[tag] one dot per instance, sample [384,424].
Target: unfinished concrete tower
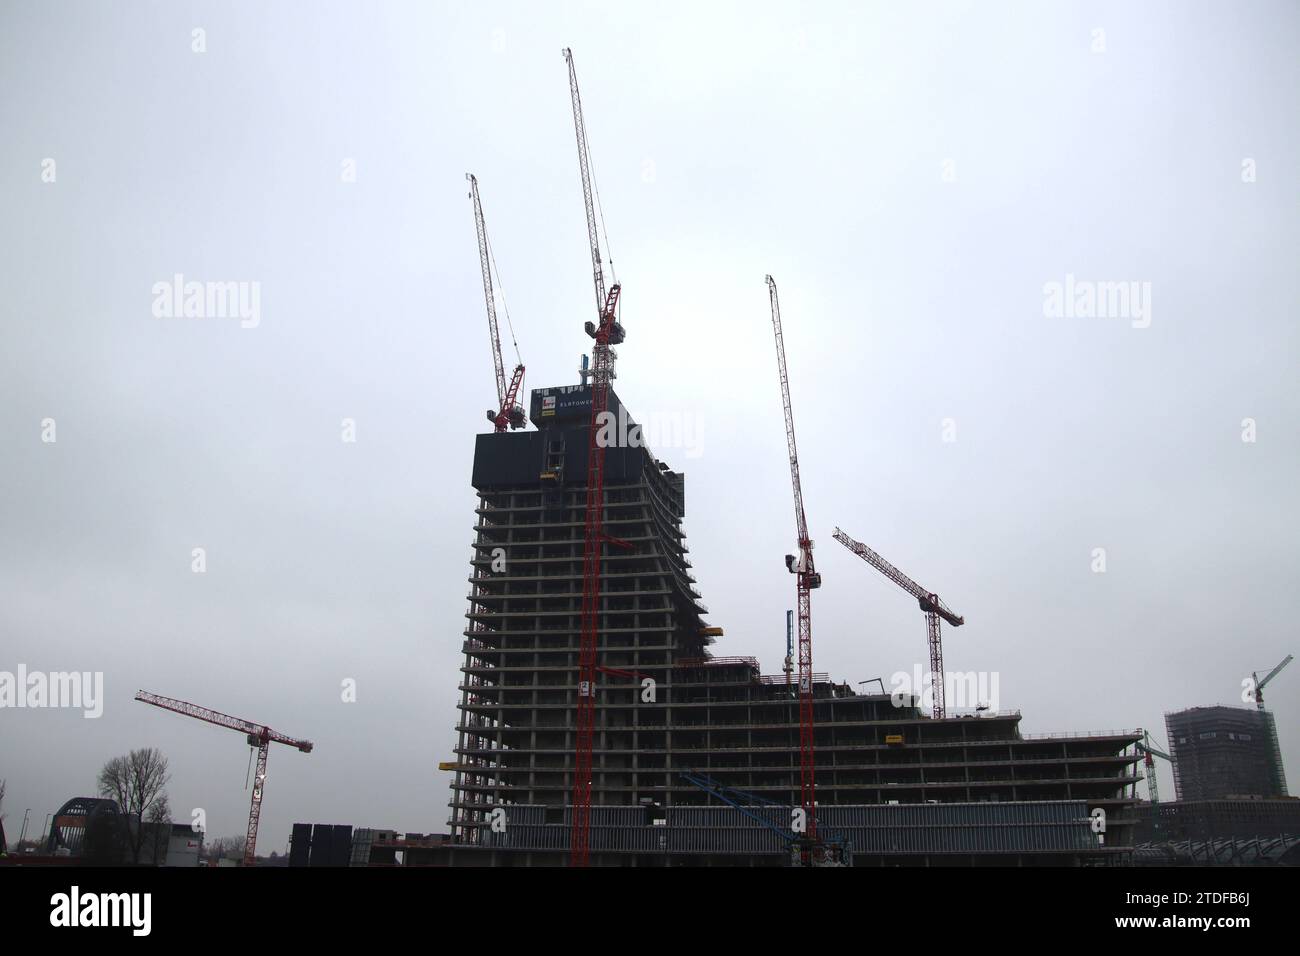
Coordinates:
[893,784]
[521,654]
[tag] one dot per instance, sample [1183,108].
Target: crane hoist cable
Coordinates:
[505,306]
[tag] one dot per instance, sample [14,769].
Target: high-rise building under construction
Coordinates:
[695,756]
[1224,752]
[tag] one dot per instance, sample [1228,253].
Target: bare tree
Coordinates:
[160,828]
[137,782]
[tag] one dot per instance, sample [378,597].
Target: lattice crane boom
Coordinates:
[584,169]
[508,412]
[806,578]
[1259,684]
[258,735]
[489,296]
[800,519]
[927,600]
[935,611]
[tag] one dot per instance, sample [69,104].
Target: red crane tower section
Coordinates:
[606,332]
[259,736]
[508,411]
[807,578]
[935,610]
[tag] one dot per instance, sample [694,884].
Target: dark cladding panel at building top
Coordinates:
[565,405]
[518,458]
[508,458]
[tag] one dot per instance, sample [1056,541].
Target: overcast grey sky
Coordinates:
[912,175]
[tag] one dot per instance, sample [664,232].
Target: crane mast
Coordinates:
[606,332]
[935,612]
[258,736]
[508,412]
[806,578]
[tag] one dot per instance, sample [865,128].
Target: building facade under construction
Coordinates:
[900,787]
[1220,753]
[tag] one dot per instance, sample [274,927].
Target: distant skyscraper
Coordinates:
[1225,751]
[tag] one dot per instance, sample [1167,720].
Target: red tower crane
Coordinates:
[806,577]
[258,735]
[934,609]
[508,412]
[607,332]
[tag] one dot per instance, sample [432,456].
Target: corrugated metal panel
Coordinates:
[362,841]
